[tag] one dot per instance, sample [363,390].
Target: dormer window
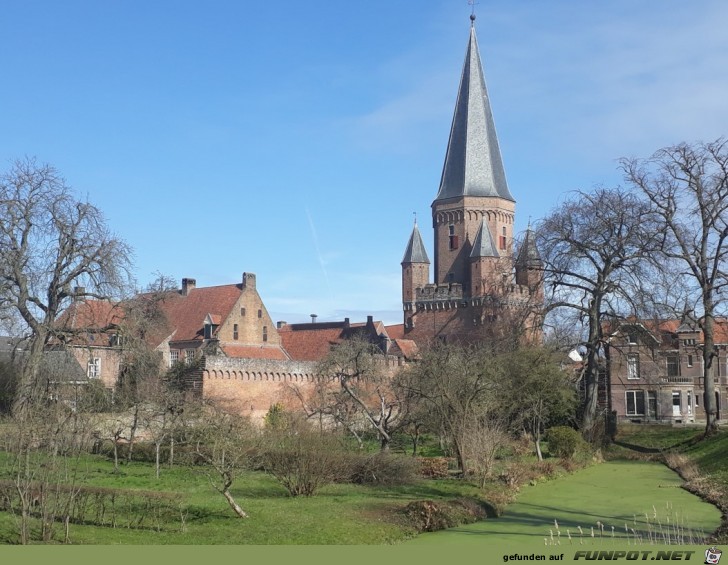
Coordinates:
[208,331]
[632,338]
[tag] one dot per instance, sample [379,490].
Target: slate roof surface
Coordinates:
[473,164]
[484,246]
[415,251]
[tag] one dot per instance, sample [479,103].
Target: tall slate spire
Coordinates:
[473,164]
[415,252]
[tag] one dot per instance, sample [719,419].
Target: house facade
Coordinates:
[656,372]
[480,284]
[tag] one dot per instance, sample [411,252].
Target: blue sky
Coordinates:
[296,139]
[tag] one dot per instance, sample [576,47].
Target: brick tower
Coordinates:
[472,216]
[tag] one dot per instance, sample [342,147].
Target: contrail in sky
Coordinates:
[318,251]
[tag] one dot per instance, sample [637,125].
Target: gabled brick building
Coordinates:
[241,357]
[656,371]
[478,282]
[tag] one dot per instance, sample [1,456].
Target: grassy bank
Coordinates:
[703,463]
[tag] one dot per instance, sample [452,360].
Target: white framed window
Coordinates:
[633,366]
[173,356]
[635,402]
[189,356]
[93,370]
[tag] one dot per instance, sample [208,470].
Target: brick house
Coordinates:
[656,371]
[479,283]
[241,356]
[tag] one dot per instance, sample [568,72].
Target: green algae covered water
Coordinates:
[620,504]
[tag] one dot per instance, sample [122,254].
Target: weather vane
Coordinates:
[415,215]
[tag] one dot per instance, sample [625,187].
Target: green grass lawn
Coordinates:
[339,514]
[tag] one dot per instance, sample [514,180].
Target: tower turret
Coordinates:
[415,272]
[484,263]
[529,267]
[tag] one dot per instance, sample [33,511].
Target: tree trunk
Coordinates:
[29,386]
[157,445]
[591,374]
[460,456]
[711,424]
[116,455]
[384,443]
[132,432]
[415,441]
[234,505]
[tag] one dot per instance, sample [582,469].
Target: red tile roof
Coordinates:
[186,314]
[254,352]
[311,344]
[408,348]
[671,326]
[91,315]
[395,332]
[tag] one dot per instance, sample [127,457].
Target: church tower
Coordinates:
[473,187]
[472,216]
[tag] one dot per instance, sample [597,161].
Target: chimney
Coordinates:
[188,285]
[249,280]
[347,323]
[280,324]
[370,320]
[79,292]
[313,318]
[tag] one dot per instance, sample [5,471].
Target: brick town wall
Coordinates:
[251,386]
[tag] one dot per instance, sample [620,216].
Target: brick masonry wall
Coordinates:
[251,386]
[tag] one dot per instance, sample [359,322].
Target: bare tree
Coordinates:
[484,437]
[160,413]
[224,442]
[53,247]
[459,386]
[360,369]
[595,250]
[687,187]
